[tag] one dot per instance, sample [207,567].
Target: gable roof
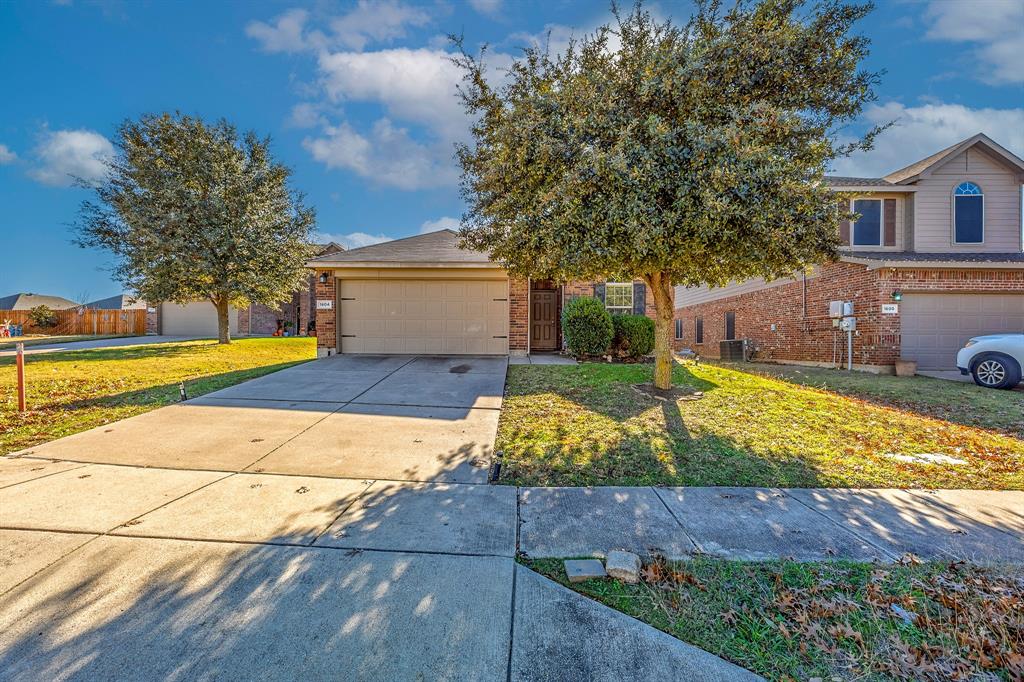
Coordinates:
[432,249]
[22,301]
[925,166]
[118,302]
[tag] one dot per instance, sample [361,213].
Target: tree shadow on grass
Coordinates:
[956,402]
[635,448]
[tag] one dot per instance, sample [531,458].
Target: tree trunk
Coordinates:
[223,320]
[660,286]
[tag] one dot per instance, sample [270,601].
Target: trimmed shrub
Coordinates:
[42,317]
[634,335]
[587,326]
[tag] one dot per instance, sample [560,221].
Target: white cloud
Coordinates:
[442,223]
[491,7]
[6,155]
[306,115]
[995,26]
[412,85]
[64,155]
[376,21]
[387,155]
[370,21]
[353,240]
[921,131]
[284,35]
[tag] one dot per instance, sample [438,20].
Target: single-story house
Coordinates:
[936,257]
[30,301]
[424,294]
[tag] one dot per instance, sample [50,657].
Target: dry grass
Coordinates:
[846,621]
[73,391]
[588,425]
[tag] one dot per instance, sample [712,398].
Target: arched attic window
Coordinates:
[968,214]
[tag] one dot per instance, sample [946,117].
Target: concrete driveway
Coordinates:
[323,521]
[408,418]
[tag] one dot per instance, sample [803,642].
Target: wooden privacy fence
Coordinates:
[78,322]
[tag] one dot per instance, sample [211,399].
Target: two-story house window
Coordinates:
[867,231]
[968,214]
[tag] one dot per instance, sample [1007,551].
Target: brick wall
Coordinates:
[518,316]
[805,333]
[326,320]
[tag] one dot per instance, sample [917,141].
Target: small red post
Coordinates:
[21,376]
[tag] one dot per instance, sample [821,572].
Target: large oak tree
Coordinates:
[194,212]
[689,154]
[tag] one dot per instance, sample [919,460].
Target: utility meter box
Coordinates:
[835,309]
[848,324]
[848,309]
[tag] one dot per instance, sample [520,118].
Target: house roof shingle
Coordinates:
[22,301]
[916,257]
[844,181]
[118,302]
[432,247]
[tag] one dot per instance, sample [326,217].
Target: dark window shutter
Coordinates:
[844,225]
[890,222]
[698,331]
[639,298]
[599,291]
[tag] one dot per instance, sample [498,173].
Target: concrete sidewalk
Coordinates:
[95,344]
[770,523]
[124,571]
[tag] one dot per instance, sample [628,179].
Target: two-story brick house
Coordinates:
[936,257]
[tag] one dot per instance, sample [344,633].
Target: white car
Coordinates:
[995,361]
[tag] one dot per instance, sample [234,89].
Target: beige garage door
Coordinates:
[194,319]
[933,327]
[424,316]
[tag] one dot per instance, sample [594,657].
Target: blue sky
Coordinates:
[358,98]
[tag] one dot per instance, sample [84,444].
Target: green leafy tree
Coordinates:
[194,212]
[686,155]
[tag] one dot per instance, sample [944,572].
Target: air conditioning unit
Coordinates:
[732,349]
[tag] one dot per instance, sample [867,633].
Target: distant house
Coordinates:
[199,318]
[935,258]
[118,302]
[300,311]
[30,301]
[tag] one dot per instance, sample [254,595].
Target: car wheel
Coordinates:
[995,371]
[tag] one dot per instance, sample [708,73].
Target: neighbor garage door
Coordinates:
[933,327]
[423,316]
[193,319]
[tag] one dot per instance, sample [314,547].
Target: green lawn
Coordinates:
[586,425]
[78,390]
[834,620]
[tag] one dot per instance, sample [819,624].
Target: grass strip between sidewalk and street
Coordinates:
[933,622]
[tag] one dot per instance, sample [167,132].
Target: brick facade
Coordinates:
[518,316]
[326,320]
[799,311]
